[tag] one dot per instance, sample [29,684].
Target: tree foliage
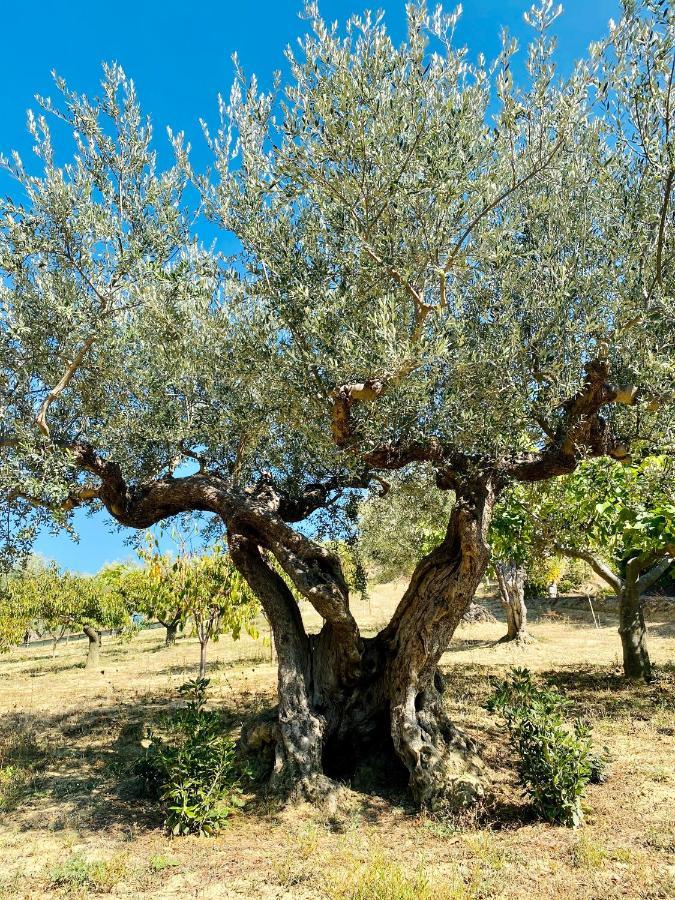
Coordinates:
[57,602]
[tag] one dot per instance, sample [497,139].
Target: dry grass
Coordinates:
[70,824]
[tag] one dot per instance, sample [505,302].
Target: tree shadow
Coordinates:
[606,693]
[661,629]
[460,645]
[76,768]
[54,668]
[79,770]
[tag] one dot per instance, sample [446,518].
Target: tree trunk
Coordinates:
[633,632]
[334,709]
[93,653]
[511,581]
[171,631]
[202,658]
[292,735]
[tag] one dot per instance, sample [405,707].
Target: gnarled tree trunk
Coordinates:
[511,581]
[341,695]
[94,649]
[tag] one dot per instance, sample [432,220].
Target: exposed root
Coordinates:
[290,771]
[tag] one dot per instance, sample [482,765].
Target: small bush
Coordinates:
[195,775]
[557,760]
[161,861]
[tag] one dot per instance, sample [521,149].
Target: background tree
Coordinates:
[513,555]
[157,593]
[439,268]
[62,601]
[212,593]
[15,616]
[620,520]
[399,527]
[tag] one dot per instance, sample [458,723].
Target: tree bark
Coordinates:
[171,632]
[293,736]
[93,651]
[511,581]
[632,627]
[444,767]
[333,708]
[202,658]
[633,632]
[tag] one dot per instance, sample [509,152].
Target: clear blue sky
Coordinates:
[179,56]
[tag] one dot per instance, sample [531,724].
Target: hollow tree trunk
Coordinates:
[511,581]
[334,707]
[633,632]
[94,649]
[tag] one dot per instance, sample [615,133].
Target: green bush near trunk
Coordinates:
[557,760]
[194,775]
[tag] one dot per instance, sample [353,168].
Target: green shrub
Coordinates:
[557,760]
[195,775]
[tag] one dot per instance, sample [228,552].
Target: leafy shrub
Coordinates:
[195,775]
[557,760]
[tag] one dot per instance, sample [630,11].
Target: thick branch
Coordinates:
[581,432]
[599,567]
[650,577]
[345,396]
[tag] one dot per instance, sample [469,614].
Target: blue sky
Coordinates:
[179,56]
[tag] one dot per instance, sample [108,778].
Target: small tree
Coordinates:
[15,616]
[62,601]
[156,593]
[620,520]
[209,590]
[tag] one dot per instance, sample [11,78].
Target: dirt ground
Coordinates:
[70,825]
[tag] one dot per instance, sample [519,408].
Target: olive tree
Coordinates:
[513,554]
[440,269]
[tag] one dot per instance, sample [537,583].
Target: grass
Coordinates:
[71,823]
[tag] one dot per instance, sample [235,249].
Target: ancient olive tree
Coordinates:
[439,269]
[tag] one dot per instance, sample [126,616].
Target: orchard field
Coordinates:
[72,823]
